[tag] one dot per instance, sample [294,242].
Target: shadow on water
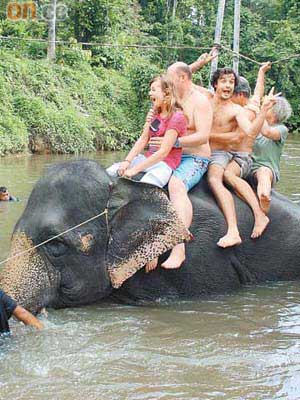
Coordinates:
[239,346]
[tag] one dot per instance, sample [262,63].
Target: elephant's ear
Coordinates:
[142,225]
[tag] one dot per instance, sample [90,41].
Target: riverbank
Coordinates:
[68,107]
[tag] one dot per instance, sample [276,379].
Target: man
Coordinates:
[5,195]
[228,117]
[9,307]
[196,151]
[238,141]
[267,151]
[267,146]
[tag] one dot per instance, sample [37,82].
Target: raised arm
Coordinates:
[254,128]
[204,59]
[260,83]
[270,132]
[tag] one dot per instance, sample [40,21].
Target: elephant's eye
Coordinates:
[56,248]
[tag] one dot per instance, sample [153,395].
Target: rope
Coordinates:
[257,62]
[240,55]
[57,236]
[142,46]
[150,46]
[286,58]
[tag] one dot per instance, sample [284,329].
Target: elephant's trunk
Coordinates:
[28,278]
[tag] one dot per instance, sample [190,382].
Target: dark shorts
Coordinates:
[191,170]
[223,158]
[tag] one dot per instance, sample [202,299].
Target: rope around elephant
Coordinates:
[105,212]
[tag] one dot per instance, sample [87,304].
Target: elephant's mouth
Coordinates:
[27,277]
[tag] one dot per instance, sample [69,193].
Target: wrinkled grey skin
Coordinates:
[72,270]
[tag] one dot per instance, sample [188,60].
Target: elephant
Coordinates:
[130,223]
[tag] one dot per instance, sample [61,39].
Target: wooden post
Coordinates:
[174,10]
[218,33]
[236,34]
[52,31]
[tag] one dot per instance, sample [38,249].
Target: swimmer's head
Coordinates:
[4,194]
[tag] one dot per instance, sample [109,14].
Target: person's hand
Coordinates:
[265,67]
[156,141]
[149,116]
[238,138]
[130,172]
[122,168]
[270,100]
[206,58]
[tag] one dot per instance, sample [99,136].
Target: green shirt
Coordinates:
[267,152]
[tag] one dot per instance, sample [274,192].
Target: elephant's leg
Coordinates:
[244,190]
[182,204]
[264,178]
[226,203]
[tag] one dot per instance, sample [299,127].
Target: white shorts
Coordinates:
[159,174]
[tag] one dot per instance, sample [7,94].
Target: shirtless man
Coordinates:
[238,141]
[196,151]
[228,117]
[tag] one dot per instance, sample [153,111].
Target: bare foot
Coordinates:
[176,257]
[259,226]
[264,202]
[229,240]
[150,266]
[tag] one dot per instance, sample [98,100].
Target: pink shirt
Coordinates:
[177,122]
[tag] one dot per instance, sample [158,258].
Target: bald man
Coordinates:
[196,150]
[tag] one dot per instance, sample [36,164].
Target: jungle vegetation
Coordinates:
[95,96]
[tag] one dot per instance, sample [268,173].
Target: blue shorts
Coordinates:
[191,170]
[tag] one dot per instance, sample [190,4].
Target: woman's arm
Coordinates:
[139,145]
[167,144]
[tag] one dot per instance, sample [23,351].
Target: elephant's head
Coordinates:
[135,223]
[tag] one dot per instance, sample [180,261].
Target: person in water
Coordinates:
[165,120]
[5,195]
[9,307]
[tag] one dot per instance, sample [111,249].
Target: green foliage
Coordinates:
[96,97]
[13,134]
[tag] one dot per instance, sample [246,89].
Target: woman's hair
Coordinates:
[168,88]
[282,109]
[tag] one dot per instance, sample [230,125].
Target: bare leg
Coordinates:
[241,187]
[264,178]
[226,203]
[182,204]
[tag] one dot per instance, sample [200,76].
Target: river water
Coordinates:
[233,347]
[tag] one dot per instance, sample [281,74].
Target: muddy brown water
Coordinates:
[245,345]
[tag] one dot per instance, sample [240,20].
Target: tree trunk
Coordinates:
[218,33]
[52,31]
[236,35]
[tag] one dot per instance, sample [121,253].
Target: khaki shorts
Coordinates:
[159,174]
[223,158]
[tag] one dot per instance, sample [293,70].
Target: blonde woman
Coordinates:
[166,120]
